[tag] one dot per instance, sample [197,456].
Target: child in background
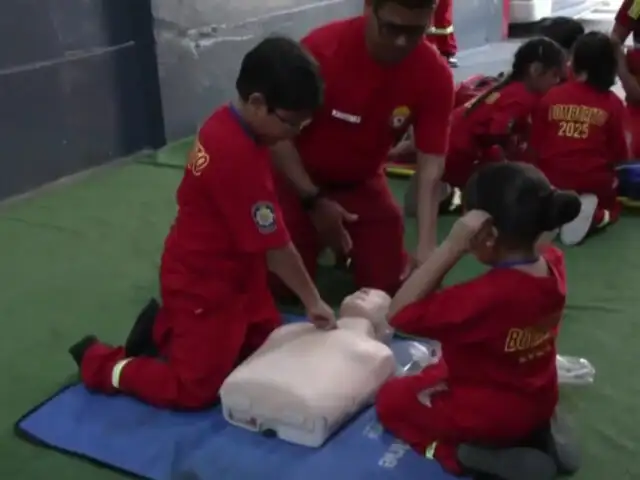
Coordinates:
[578,136]
[565,31]
[495,125]
[228,233]
[562,30]
[497,381]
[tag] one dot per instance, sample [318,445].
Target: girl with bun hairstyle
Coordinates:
[496,383]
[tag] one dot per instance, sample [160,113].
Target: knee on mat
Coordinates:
[193,395]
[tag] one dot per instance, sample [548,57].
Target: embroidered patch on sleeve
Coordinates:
[264,217]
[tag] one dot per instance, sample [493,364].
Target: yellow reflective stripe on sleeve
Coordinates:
[449,30]
[634,10]
[430,450]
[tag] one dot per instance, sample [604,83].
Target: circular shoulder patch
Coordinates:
[264,217]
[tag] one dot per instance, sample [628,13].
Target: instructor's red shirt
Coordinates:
[369,106]
[578,132]
[497,331]
[228,215]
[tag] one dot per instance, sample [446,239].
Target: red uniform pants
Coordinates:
[441,34]
[481,416]
[378,256]
[199,346]
[634,130]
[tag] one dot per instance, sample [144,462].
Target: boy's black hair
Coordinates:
[282,71]
[408,4]
[540,50]
[565,31]
[521,202]
[595,55]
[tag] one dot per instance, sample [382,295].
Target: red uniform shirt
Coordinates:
[578,130]
[228,215]
[369,106]
[497,331]
[503,117]
[473,86]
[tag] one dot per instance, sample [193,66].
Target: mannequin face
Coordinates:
[367,303]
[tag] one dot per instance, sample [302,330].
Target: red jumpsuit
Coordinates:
[367,108]
[628,17]
[473,86]
[216,304]
[502,119]
[498,363]
[578,136]
[441,33]
[633,109]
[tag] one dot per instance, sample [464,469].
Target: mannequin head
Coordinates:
[370,304]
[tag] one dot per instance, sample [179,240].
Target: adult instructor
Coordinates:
[381,78]
[627,22]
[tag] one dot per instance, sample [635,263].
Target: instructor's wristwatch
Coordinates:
[310,201]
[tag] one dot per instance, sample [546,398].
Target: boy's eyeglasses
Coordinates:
[296,125]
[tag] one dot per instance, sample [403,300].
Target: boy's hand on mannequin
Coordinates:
[322,316]
[468,229]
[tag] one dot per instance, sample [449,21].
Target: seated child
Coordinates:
[578,136]
[304,384]
[562,30]
[216,305]
[497,381]
[495,125]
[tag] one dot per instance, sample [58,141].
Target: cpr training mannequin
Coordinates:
[304,383]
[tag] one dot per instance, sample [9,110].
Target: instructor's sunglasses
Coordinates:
[395,30]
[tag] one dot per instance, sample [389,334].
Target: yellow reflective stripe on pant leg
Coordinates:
[441,31]
[117,371]
[430,450]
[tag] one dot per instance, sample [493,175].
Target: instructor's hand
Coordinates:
[322,316]
[329,219]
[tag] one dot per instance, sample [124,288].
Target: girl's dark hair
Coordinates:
[540,50]
[282,71]
[595,55]
[565,31]
[521,202]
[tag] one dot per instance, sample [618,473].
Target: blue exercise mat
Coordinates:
[143,441]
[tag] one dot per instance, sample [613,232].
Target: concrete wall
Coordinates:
[75,87]
[200,43]
[80,85]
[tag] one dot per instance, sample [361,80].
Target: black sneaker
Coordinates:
[452,204]
[452,61]
[520,463]
[78,349]
[140,340]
